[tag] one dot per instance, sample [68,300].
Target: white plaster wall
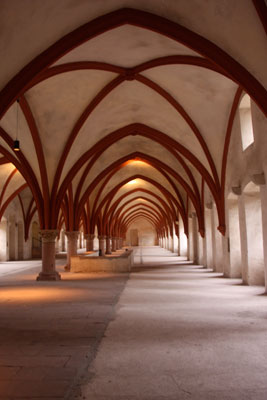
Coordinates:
[183,238]
[146,233]
[3,239]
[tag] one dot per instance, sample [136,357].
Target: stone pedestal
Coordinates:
[114,245]
[72,246]
[108,245]
[102,240]
[89,241]
[48,272]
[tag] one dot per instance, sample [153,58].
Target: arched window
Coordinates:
[246,121]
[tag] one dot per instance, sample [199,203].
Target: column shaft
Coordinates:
[108,245]
[48,272]
[72,247]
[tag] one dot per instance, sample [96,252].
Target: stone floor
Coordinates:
[182,332]
[178,331]
[50,331]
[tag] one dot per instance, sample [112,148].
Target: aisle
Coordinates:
[182,332]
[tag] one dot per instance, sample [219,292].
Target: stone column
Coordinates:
[48,272]
[114,246]
[102,244]
[117,243]
[108,245]
[243,238]
[63,247]
[89,241]
[120,242]
[72,247]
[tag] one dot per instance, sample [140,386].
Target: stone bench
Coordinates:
[112,263]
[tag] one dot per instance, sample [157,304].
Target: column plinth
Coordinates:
[72,237]
[48,272]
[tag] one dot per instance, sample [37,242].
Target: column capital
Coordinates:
[49,235]
[101,237]
[72,234]
[90,236]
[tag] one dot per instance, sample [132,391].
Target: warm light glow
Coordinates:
[139,163]
[132,182]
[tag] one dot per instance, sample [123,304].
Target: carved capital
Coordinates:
[72,235]
[49,235]
[101,237]
[89,236]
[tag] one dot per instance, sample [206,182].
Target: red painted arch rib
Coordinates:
[142,19]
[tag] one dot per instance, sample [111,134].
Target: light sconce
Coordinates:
[16,146]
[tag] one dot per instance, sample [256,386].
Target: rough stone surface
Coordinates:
[182,332]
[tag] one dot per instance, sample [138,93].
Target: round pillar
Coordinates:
[89,241]
[114,246]
[108,245]
[72,247]
[102,240]
[117,243]
[48,272]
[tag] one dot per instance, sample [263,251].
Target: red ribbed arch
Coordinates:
[134,209]
[142,19]
[142,130]
[144,207]
[169,197]
[116,166]
[155,163]
[102,66]
[115,215]
[107,90]
[111,194]
[158,165]
[165,206]
[139,215]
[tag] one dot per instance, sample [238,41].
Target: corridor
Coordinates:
[173,330]
[182,332]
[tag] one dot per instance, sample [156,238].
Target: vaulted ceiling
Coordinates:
[125,112]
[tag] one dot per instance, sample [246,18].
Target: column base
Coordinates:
[108,252]
[54,276]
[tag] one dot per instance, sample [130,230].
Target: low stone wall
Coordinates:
[116,263]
